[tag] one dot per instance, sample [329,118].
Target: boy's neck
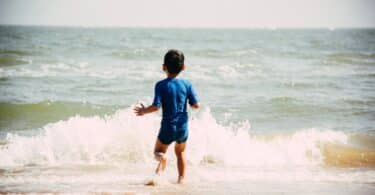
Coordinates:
[172,76]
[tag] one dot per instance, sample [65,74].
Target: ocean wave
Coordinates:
[59,69]
[351,58]
[14,52]
[227,71]
[139,53]
[358,102]
[123,137]
[16,116]
[225,53]
[8,60]
[13,57]
[283,99]
[288,105]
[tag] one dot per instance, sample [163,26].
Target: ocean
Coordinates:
[283,111]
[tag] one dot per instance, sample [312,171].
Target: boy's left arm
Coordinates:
[192,96]
[139,111]
[195,106]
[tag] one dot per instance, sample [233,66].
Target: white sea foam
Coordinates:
[233,145]
[227,71]
[62,69]
[124,137]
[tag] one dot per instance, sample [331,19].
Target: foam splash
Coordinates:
[124,137]
[95,140]
[233,145]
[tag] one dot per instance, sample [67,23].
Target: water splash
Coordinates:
[124,137]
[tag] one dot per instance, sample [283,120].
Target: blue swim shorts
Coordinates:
[169,133]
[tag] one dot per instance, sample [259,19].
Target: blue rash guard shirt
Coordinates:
[172,95]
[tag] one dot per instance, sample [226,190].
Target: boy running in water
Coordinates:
[172,94]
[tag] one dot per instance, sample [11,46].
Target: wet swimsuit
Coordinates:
[172,95]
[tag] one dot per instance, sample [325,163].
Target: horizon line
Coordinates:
[190,27]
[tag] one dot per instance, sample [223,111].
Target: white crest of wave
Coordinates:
[124,137]
[233,145]
[118,138]
[227,71]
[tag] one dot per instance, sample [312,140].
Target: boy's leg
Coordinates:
[159,152]
[181,162]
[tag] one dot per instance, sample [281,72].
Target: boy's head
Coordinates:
[174,61]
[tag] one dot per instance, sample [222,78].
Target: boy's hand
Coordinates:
[139,111]
[195,106]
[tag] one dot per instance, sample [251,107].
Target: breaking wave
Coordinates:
[124,137]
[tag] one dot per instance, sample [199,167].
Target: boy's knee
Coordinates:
[159,156]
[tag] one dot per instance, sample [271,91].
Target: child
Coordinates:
[172,94]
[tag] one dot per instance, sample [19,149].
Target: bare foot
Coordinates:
[180,180]
[150,183]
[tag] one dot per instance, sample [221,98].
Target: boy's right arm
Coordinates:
[139,111]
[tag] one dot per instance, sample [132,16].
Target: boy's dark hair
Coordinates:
[174,61]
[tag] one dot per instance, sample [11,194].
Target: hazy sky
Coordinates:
[190,13]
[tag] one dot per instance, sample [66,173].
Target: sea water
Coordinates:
[283,110]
